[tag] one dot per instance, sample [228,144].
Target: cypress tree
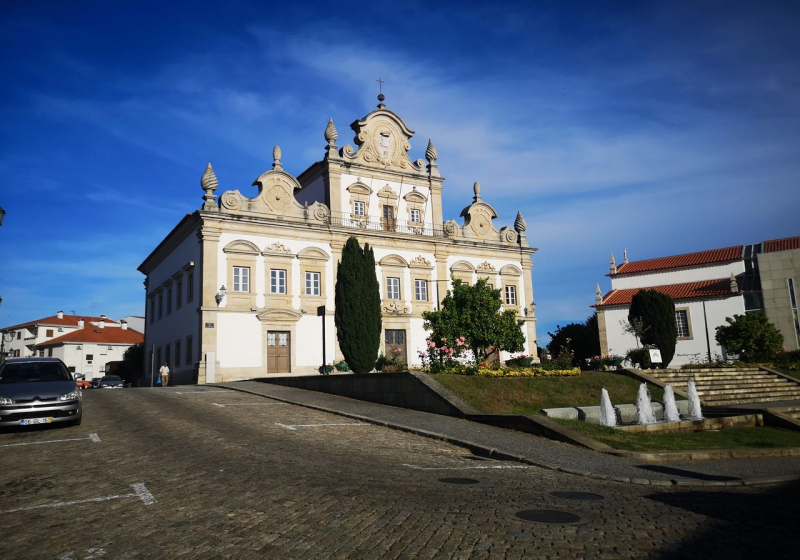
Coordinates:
[358,307]
[657,313]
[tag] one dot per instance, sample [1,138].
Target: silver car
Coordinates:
[38,391]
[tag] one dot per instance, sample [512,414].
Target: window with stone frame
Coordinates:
[511,295]
[392,288]
[169,300]
[160,305]
[152,310]
[190,288]
[178,294]
[177,353]
[241,279]
[359,200]
[415,205]
[684,330]
[416,216]
[359,208]
[312,283]
[421,290]
[189,357]
[277,281]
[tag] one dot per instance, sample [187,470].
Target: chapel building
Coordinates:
[234,289]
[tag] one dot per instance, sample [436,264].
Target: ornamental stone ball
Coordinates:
[519,223]
[331,134]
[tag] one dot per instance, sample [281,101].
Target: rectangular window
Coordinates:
[177,353]
[49,352]
[89,358]
[189,357]
[168,355]
[793,300]
[415,216]
[241,279]
[159,363]
[152,311]
[312,284]
[682,322]
[392,288]
[421,290]
[19,335]
[359,208]
[178,294]
[190,288]
[160,305]
[49,332]
[169,300]
[511,295]
[277,281]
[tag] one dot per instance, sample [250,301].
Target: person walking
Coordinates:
[164,372]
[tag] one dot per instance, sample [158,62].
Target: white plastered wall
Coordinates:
[375,210]
[681,276]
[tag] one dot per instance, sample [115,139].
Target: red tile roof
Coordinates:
[91,334]
[67,321]
[689,290]
[785,244]
[680,261]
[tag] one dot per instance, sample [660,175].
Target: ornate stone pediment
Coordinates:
[241,247]
[277,248]
[485,266]
[275,197]
[279,316]
[421,262]
[395,306]
[382,139]
[393,260]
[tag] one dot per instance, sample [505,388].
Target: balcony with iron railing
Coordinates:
[391,225]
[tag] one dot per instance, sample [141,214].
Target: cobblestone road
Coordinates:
[239,476]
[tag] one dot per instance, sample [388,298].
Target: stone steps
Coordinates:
[728,386]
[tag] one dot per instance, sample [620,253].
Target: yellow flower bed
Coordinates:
[527,372]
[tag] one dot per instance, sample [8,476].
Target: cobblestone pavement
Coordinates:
[234,475]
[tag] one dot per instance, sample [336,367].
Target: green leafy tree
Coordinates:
[132,364]
[656,311]
[583,339]
[751,336]
[474,313]
[358,307]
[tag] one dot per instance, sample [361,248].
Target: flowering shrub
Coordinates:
[523,360]
[438,358]
[527,372]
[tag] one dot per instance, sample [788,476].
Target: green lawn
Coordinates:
[529,395]
[732,438]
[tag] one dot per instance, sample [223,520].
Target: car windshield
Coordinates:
[32,372]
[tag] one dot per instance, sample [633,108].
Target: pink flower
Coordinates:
[431,345]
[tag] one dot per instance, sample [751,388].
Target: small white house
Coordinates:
[707,287]
[85,344]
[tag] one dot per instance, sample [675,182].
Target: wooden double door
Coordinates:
[395,344]
[279,352]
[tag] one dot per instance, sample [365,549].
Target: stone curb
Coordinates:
[483,451]
[705,454]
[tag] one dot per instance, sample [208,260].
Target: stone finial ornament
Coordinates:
[331,134]
[476,188]
[276,156]
[209,183]
[625,256]
[613,264]
[519,223]
[734,284]
[430,152]
[598,297]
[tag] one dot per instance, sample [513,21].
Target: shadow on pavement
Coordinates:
[684,473]
[761,523]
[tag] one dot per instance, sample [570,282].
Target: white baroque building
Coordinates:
[707,287]
[234,288]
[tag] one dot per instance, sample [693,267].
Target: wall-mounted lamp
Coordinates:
[526,311]
[254,308]
[303,311]
[110,347]
[221,294]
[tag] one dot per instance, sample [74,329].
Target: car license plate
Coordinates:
[31,421]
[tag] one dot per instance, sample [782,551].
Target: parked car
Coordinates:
[81,381]
[111,382]
[38,391]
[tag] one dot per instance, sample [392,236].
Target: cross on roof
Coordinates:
[380,85]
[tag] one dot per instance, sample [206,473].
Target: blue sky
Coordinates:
[662,127]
